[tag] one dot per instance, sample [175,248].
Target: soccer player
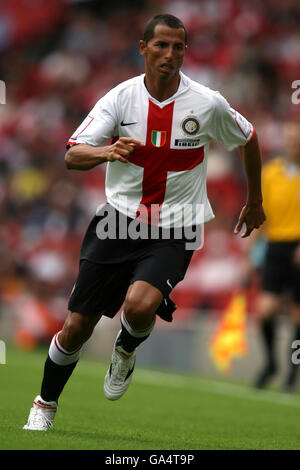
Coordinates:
[281,266]
[161,123]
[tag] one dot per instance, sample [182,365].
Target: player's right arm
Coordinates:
[84,156]
[87,147]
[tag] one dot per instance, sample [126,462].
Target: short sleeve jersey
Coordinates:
[167,175]
[281,196]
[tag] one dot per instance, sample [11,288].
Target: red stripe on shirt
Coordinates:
[157,161]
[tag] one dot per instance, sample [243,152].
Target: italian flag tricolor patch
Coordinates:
[158,138]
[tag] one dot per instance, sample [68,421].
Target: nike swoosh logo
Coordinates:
[169,284]
[127,123]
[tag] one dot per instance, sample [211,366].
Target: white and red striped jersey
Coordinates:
[169,171]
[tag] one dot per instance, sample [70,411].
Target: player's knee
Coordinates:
[139,314]
[76,330]
[268,305]
[295,313]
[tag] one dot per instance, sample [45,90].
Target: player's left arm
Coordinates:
[252,214]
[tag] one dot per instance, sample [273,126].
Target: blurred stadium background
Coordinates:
[57,59]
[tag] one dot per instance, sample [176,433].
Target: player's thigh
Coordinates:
[100,288]
[163,266]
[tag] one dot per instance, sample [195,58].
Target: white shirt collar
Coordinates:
[183,86]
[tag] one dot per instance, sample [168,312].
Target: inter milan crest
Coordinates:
[158,138]
[190,125]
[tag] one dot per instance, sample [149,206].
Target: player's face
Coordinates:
[164,53]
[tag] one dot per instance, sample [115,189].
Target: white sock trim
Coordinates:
[136,333]
[61,356]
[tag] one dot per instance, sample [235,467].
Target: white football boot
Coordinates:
[119,374]
[41,415]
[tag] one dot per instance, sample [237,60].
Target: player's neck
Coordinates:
[162,88]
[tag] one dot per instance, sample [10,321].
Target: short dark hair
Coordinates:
[168,20]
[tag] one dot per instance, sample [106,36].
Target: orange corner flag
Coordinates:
[229,340]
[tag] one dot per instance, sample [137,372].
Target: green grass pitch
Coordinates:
[160,411]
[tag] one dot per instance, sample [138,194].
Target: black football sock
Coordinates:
[58,368]
[267,329]
[54,379]
[129,342]
[129,338]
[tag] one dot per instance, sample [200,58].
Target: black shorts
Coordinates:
[108,267]
[279,273]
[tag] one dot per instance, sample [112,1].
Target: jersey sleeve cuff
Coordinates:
[70,144]
[252,135]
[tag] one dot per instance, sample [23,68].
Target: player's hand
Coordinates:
[253,216]
[122,149]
